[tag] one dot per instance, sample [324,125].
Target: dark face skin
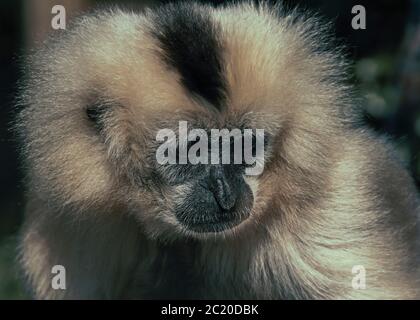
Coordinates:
[217,197]
[220,199]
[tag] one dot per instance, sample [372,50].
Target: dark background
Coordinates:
[386,71]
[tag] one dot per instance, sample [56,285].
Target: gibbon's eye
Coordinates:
[92,114]
[95,113]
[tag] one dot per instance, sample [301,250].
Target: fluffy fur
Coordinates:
[333,195]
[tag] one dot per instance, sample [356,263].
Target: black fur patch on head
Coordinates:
[189,39]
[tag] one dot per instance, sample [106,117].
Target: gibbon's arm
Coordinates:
[100,255]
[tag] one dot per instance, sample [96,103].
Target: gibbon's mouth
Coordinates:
[223,221]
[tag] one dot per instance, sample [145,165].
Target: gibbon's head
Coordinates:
[97,95]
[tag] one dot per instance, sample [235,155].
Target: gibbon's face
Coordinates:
[120,78]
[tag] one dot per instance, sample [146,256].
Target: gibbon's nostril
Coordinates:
[224,195]
[222,191]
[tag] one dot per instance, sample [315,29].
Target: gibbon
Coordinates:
[333,195]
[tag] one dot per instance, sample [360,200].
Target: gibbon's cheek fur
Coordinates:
[332,195]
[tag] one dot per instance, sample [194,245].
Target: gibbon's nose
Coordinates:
[221,188]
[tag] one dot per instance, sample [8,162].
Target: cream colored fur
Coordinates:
[333,195]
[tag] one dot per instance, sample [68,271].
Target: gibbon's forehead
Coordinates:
[185,57]
[224,56]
